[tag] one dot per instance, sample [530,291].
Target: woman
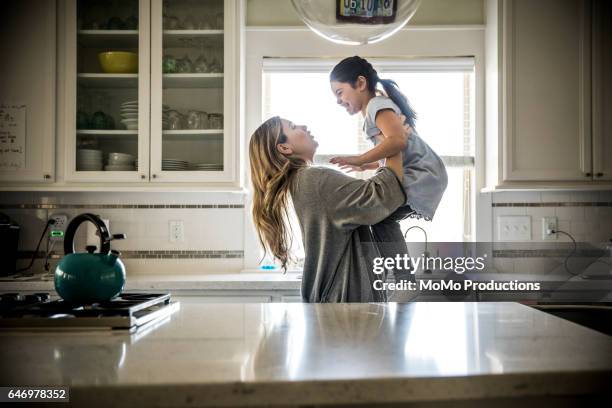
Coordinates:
[334,211]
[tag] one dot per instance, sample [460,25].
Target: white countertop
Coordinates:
[243,354]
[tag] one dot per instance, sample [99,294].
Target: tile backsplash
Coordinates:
[587,216]
[213,227]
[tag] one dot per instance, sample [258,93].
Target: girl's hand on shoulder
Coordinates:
[347,161]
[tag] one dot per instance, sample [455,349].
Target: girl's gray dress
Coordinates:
[335,211]
[425,177]
[424,182]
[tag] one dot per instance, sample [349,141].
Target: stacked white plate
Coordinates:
[120,162]
[129,114]
[89,160]
[174,165]
[205,167]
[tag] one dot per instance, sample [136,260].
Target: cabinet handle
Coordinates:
[599,174]
[588,174]
[142,176]
[47,176]
[154,175]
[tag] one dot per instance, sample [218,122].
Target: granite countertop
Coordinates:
[247,354]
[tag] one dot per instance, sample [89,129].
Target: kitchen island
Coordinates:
[432,354]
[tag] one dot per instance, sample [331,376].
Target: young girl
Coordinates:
[354,84]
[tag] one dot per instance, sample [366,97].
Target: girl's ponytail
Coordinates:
[393,92]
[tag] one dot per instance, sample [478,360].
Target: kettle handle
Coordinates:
[105,237]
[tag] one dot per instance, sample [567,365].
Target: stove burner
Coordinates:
[125,311]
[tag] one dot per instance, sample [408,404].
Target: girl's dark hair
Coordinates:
[349,69]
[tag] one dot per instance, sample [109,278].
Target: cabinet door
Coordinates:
[106,81]
[27,91]
[602,90]
[547,90]
[194,91]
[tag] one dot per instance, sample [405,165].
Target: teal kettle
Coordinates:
[89,277]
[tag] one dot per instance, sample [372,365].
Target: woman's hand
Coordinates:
[365,167]
[347,161]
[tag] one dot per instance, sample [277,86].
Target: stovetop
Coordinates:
[126,311]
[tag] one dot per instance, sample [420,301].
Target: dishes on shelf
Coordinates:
[215,121]
[113,23]
[174,165]
[205,167]
[205,21]
[120,159]
[120,162]
[98,121]
[89,160]
[197,120]
[193,120]
[118,62]
[129,114]
[130,124]
[204,64]
[117,167]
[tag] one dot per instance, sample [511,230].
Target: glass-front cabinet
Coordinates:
[152,90]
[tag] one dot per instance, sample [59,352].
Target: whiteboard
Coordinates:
[12,136]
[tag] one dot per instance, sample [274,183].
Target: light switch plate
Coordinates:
[177,231]
[514,228]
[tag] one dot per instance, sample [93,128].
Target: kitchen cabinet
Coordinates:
[602,90]
[27,91]
[541,59]
[175,118]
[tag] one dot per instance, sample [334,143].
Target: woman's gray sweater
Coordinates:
[335,211]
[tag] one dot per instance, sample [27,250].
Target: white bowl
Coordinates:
[89,151]
[89,162]
[119,168]
[130,124]
[121,156]
[129,115]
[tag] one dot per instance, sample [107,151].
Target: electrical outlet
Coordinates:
[177,231]
[549,224]
[514,228]
[58,230]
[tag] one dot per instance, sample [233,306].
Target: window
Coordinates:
[440,90]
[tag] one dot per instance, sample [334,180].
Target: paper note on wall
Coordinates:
[12,136]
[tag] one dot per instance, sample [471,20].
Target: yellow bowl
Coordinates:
[118,62]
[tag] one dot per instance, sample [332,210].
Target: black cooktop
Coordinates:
[39,305]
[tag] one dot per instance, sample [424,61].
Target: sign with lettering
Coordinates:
[12,136]
[366,11]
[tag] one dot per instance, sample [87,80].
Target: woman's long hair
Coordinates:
[272,174]
[349,69]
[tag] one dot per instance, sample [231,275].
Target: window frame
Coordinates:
[453,43]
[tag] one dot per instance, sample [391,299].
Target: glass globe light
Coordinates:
[355,22]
